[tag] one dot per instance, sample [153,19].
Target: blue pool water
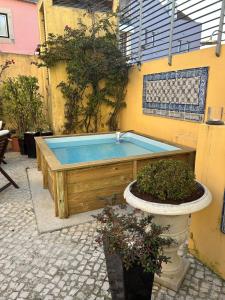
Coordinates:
[70,150]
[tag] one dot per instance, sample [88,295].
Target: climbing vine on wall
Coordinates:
[97,73]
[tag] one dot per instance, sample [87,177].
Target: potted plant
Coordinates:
[22,145]
[15,108]
[23,108]
[133,247]
[168,190]
[39,125]
[15,143]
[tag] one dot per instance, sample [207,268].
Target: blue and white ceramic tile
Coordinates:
[179,94]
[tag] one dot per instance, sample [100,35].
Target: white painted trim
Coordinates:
[11,39]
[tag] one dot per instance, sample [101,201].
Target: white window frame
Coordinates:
[10,39]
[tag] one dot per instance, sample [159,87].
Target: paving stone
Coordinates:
[24,295]
[48,297]
[45,292]
[73,291]
[199,274]
[14,295]
[218,282]
[39,287]
[90,281]
[65,264]
[105,286]
[80,296]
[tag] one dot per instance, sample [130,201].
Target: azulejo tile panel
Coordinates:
[178,94]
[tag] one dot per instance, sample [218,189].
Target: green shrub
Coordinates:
[134,237]
[167,179]
[3,67]
[22,103]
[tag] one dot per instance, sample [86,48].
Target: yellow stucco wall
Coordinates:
[182,132]
[207,241]
[23,66]
[51,21]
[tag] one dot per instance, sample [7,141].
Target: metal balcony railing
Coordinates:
[151,29]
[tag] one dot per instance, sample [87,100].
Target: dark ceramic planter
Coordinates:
[30,143]
[132,284]
[23,149]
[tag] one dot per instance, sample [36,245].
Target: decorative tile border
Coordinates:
[179,94]
[223,215]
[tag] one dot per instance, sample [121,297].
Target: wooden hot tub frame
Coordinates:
[78,187]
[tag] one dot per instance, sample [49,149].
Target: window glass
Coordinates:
[4,31]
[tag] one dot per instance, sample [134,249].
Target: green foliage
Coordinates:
[3,67]
[167,179]
[72,109]
[134,237]
[23,106]
[96,69]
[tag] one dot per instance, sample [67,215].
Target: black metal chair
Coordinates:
[4,139]
[2,125]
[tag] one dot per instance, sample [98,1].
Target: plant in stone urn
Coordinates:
[167,189]
[133,246]
[168,181]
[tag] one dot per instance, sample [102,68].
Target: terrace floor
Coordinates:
[64,264]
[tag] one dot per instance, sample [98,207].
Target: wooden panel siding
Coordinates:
[50,183]
[94,199]
[86,186]
[38,158]
[97,173]
[54,192]
[93,184]
[61,190]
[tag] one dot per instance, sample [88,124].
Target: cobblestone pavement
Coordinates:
[65,264]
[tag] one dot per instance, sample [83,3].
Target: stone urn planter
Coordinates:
[177,216]
[167,189]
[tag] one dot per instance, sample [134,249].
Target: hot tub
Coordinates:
[81,171]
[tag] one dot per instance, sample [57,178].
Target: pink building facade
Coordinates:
[19,31]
